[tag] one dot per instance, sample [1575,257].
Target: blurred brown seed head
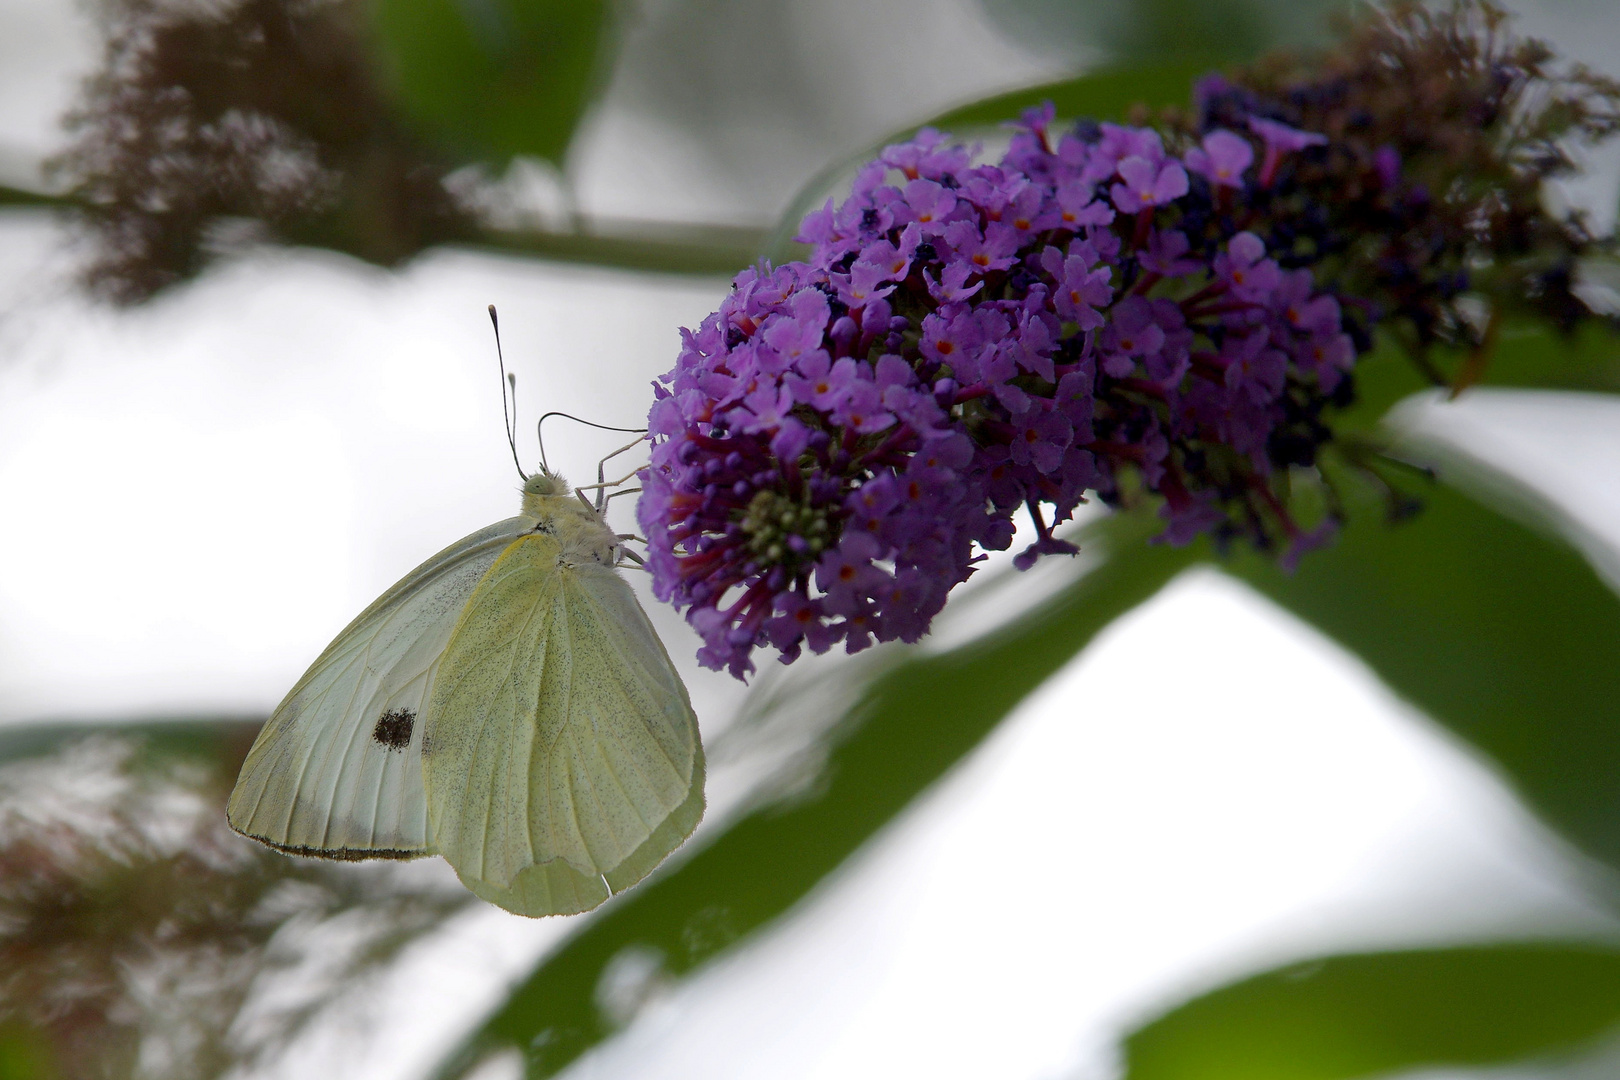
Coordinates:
[217,121]
[140,937]
[1476,120]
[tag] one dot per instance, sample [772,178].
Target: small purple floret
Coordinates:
[1280,139]
[1147,184]
[1222,159]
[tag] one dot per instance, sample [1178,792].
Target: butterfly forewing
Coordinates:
[337,769]
[562,756]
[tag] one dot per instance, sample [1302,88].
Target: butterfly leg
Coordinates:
[604,485]
[601,485]
[600,506]
[628,557]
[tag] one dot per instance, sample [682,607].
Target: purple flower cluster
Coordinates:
[840,442]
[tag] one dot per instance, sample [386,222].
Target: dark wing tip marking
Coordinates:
[342,854]
[394,728]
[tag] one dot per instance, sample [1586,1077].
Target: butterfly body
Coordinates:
[506,705]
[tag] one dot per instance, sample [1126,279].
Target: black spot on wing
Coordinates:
[393,728]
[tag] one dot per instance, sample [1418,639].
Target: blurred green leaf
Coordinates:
[495,78]
[1501,632]
[1141,32]
[24,1054]
[913,724]
[1537,356]
[715,250]
[1141,51]
[1527,356]
[1101,95]
[14,196]
[1354,1016]
[218,743]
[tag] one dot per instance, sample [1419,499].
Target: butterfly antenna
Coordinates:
[508,412]
[539,431]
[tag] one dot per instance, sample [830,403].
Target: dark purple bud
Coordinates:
[844,333]
[1387,163]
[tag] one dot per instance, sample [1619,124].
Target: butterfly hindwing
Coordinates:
[336,771]
[562,759]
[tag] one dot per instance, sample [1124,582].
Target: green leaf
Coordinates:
[1364,1015]
[1101,95]
[912,725]
[14,196]
[495,78]
[1527,356]
[1501,632]
[25,1054]
[218,742]
[1538,356]
[1136,32]
[704,250]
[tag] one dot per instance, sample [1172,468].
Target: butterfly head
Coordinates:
[545,484]
[540,489]
[564,514]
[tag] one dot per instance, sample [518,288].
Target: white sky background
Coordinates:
[198,494]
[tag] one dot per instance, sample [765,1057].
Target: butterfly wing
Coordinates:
[562,760]
[337,769]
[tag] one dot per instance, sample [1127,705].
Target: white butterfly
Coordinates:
[506,705]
